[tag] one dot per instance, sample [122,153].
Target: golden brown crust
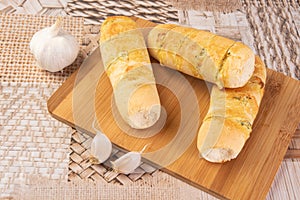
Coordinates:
[230,104]
[260,72]
[127,64]
[226,136]
[118,46]
[211,57]
[229,121]
[133,59]
[255,86]
[156,38]
[217,49]
[115,25]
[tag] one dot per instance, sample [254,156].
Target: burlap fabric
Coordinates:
[17,62]
[203,5]
[226,6]
[156,187]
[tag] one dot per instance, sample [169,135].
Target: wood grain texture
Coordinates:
[247,177]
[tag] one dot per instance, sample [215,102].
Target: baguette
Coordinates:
[202,54]
[127,64]
[230,117]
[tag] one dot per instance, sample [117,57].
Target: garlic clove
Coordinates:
[101,147]
[54,48]
[127,163]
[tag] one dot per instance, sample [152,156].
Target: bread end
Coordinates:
[238,66]
[219,155]
[220,139]
[145,118]
[144,107]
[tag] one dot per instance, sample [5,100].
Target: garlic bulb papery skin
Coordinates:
[54,48]
[127,163]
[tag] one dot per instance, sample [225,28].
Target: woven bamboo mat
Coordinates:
[233,25]
[81,168]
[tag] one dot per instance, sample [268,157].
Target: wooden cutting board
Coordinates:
[87,95]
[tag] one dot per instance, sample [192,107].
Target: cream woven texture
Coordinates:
[275,31]
[226,6]
[204,5]
[31,141]
[95,12]
[156,187]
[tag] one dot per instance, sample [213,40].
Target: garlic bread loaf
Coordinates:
[127,64]
[230,117]
[202,54]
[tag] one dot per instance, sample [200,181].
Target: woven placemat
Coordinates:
[17,62]
[273,3]
[160,186]
[224,6]
[275,30]
[31,141]
[95,12]
[80,166]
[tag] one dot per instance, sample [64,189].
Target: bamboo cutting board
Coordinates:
[87,95]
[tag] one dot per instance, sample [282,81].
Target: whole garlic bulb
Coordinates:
[54,48]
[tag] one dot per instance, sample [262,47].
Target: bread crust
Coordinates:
[127,64]
[202,54]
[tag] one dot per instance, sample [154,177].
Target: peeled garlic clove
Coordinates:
[127,163]
[101,148]
[54,48]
